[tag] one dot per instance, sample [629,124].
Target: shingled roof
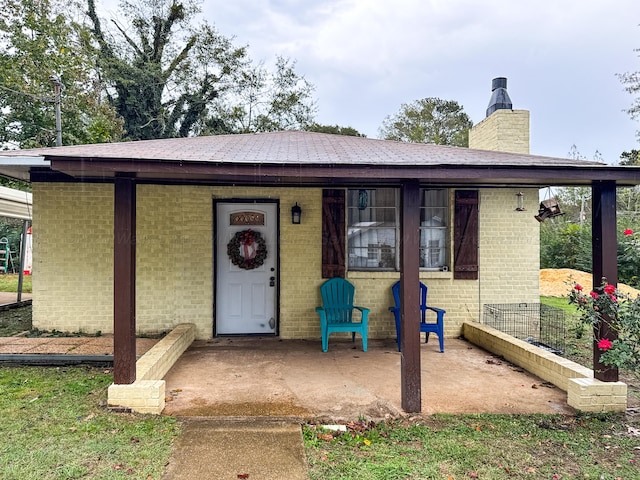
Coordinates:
[304,157]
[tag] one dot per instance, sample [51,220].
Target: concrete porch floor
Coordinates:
[293,378]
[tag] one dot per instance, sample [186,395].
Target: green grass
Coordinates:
[478,446]
[577,349]
[9,283]
[53,427]
[562,303]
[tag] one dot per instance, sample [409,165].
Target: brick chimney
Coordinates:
[504,129]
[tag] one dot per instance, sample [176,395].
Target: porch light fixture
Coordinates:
[296,214]
[520,202]
[363,199]
[548,209]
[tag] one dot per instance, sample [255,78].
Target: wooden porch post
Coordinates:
[409,297]
[124,281]
[605,262]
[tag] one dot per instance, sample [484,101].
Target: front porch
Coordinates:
[293,378]
[487,372]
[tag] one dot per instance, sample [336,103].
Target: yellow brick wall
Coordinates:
[73,257]
[503,130]
[509,247]
[73,272]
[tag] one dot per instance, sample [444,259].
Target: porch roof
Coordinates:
[294,157]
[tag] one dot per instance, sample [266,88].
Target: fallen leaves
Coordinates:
[633,431]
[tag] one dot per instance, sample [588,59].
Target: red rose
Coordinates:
[628,231]
[609,289]
[594,295]
[578,287]
[605,344]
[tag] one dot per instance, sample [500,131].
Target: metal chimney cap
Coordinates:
[499,82]
[499,97]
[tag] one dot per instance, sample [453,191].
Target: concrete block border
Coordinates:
[147,393]
[584,392]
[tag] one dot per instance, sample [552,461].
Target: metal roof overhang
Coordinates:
[15,203]
[19,167]
[289,174]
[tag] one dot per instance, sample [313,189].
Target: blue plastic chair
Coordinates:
[426,327]
[336,313]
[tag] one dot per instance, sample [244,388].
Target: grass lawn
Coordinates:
[54,427]
[488,447]
[9,283]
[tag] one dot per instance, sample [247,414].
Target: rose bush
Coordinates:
[621,313]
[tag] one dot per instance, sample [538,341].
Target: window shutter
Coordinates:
[333,233]
[465,235]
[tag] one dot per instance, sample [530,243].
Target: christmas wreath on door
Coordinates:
[247,249]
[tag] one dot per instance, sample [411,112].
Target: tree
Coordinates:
[429,120]
[631,81]
[565,245]
[265,101]
[334,129]
[169,78]
[631,157]
[39,38]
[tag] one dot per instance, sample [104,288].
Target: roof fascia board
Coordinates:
[261,173]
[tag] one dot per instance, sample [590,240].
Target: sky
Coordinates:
[367,57]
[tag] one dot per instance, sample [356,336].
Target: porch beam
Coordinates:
[334,173]
[409,297]
[605,263]
[124,281]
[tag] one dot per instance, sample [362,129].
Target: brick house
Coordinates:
[134,237]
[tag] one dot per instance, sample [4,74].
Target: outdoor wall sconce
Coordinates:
[548,209]
[520,202]
[296,214]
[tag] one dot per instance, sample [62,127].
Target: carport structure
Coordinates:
[18,204]
[281,160]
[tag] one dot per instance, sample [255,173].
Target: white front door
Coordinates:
[246,262]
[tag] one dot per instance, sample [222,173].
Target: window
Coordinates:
[373,230]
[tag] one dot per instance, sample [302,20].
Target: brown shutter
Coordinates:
[465,235]
[333,233]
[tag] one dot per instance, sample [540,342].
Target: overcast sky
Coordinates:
[367,57]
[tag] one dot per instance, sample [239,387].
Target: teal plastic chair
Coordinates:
[336,312]
[436,327]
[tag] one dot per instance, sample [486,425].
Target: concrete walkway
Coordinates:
[253,449]
[9,298]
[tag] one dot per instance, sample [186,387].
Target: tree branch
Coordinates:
[132,43]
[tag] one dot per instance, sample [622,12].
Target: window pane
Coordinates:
[434,217]
[372,228]
[371,247]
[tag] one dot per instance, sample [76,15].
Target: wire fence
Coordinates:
[535,323]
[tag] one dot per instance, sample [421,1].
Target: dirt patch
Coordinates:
[15,320]
[558,282]
[203,408]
